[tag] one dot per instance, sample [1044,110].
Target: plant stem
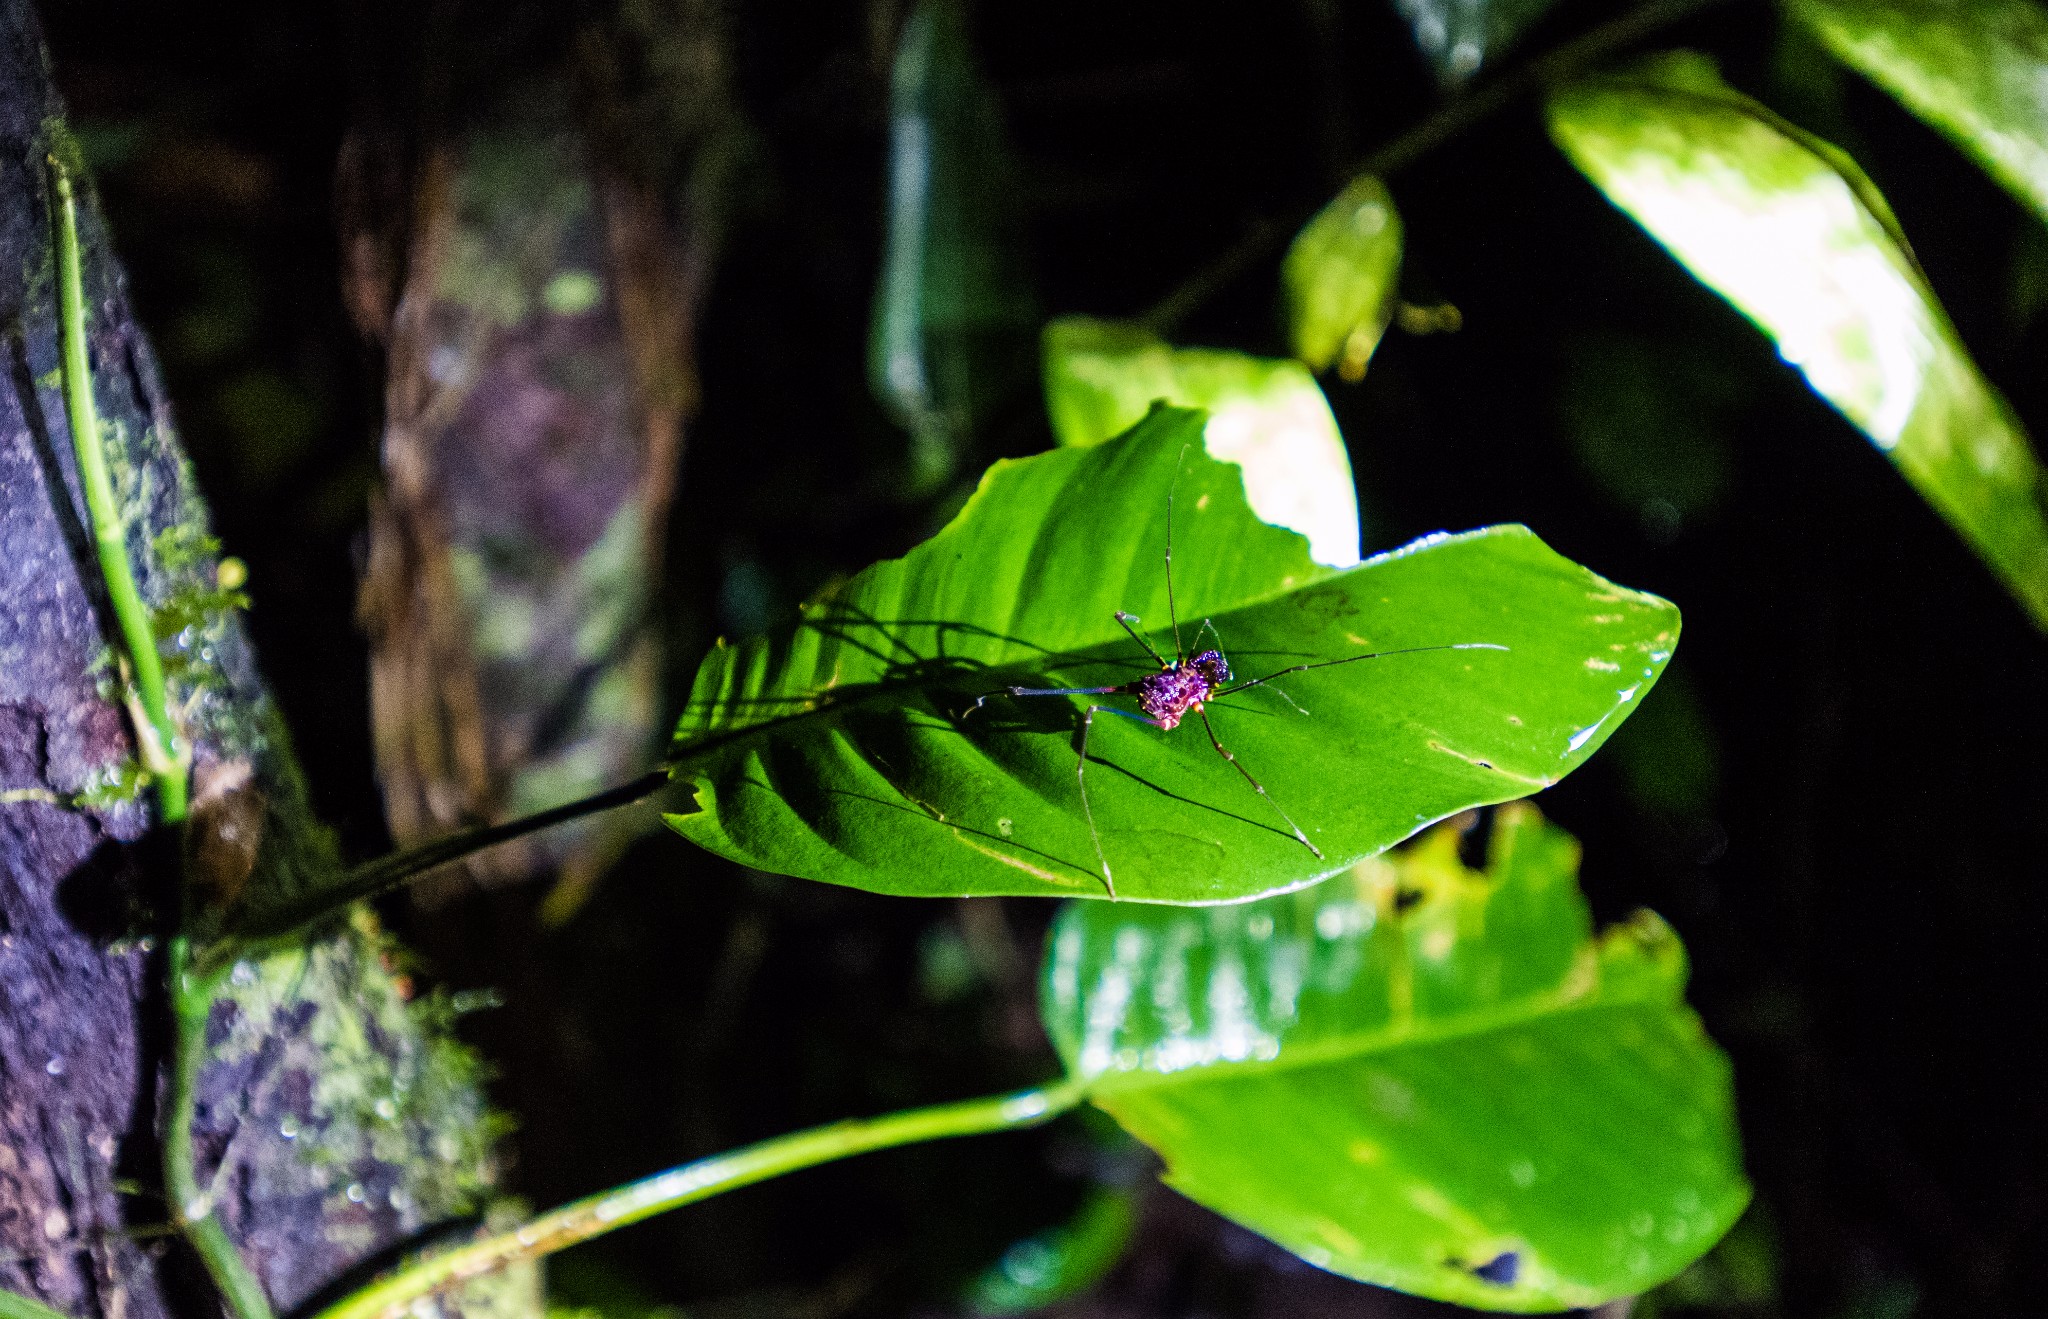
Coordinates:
[390,871]
[580,1221]
[156,734]
[191,992]
[13,1305]
[191,1207]
[1267,236]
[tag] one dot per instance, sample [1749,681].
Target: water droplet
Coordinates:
[386,1108]
[289,1128]
[54,1067]
[355,1193]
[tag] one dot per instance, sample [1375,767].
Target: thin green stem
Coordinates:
[191,992]
[155,732]
[388,1298]
[1267,236]
[13,1305]
[192,996]
[397,868]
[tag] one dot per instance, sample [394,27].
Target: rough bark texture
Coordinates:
[537,316]
[336,1114]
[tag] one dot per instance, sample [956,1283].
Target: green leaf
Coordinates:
[954,314]
[1416,1074]
[1339,279]
[1975,69]
[1265,414]
[844,750]
[1460,35]
[1789,230]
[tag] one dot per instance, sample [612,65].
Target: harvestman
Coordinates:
[1183,684]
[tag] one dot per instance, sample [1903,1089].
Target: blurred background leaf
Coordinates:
[1790,231]
[1339,279]
[1265,414]
[954,313]
[1975,69]
[1300,1061]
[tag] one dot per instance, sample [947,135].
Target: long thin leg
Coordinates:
[1081,777]
[1351,659]
[1279,692]
[1129,621]
[986,697]
[1209,626]
[1172,610]
[1223,751]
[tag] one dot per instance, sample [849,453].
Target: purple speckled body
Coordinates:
[1181,686]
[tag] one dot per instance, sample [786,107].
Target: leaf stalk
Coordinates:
[583,1220]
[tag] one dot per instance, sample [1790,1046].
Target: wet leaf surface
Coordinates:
[1417,1074]
[1790,231]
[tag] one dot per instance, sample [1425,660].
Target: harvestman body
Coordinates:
[1186,683]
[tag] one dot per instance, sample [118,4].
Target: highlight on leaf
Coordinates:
[1300,1061]
[1977,70]
[1789,230]
[875,744]
[1266,414]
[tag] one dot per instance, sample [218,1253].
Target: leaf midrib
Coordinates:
[721,738]
[1564,1000]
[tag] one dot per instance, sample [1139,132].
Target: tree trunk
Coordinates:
[336,1115]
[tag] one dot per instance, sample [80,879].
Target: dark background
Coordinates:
[1835,796]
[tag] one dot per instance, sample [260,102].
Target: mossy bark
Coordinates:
[336,1116]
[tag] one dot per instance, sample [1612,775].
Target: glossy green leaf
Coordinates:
[1789,230]
[954,315]
[1975,69]
[1265,414]
[844,750]
[1339,279]
[1459,36]
[1061,1261]
[1416,1074]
